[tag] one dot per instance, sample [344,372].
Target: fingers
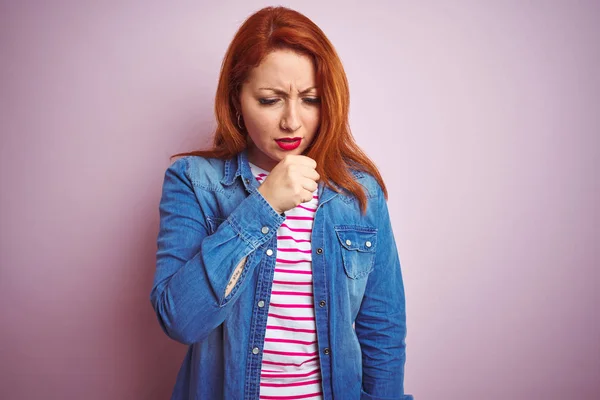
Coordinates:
[309,162]
[307,198]
[301,160]
[298,173]
[309,172]
[309,185]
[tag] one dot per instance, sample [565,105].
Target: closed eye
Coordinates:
[312,100]
[309,100]
[266,102]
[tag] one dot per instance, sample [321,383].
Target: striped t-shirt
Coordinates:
[290,364]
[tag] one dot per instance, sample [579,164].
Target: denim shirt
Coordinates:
[211,217]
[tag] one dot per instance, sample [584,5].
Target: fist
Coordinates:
[291,182]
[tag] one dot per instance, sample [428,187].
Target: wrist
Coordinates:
[277,210]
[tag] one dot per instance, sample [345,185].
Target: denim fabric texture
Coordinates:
[211,216]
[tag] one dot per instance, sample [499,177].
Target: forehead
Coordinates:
[284,68]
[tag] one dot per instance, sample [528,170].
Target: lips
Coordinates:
[289,143]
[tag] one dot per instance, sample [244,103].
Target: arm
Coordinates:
[198,275]
[381,321]
[235,277]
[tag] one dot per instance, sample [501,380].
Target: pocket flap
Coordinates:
[356,238]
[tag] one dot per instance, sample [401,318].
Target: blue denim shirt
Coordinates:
[211,216]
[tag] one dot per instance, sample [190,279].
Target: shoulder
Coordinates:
[197,169]
[368,182]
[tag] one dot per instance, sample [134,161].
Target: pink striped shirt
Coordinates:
[290,364]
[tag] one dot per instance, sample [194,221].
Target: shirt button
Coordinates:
[368,244]
[326,351]
[247,181]
[319,251]
[255,350]
[348,242]
[322,303]
[261,303]
[265,229]
[269,252]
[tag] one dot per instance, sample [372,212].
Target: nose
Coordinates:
[290,121]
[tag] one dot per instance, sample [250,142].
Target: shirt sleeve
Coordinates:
[193,268]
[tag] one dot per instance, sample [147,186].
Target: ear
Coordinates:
[235,99]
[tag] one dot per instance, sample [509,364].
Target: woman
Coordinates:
[276,260]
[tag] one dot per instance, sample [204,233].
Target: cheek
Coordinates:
[260,122]
[312,118]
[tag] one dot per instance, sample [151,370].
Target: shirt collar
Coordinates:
[232,168]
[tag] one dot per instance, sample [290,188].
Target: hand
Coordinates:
[291,182]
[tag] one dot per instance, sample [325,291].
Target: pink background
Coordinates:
[484,118]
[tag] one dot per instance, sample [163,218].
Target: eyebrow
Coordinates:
[283,92]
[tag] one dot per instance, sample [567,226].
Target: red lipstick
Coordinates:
[289,143]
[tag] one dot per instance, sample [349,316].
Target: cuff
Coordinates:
[255,221]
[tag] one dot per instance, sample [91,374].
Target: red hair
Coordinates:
[333,146]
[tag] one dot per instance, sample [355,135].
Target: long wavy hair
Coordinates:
[333,147]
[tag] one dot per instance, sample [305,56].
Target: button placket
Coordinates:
[259,314]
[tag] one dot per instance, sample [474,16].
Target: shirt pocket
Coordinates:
[358,246]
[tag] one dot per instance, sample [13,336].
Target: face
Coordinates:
[280,107]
